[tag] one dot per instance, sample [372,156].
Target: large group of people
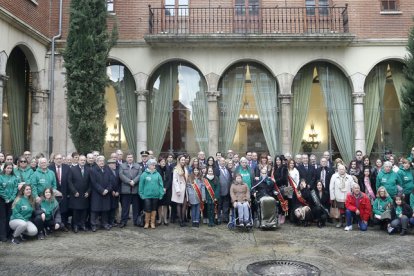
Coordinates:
[87,192]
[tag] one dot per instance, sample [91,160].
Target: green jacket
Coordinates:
[22,209]
[8,187]
[151,185]
[380,205]
[40,180]
[23,175]
[49,206]
[390,181]
[412,201]
[407,180]
[247,175]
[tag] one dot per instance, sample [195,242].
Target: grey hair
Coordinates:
[152,162]
[100,157]
[243,159]
[387,164]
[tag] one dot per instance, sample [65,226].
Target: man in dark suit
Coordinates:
[115,193]
[225,180]
[144,158]
[80,190]
[307,171]
[62,172]
[324,173]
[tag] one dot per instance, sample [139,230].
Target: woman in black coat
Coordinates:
[101,187]
[165,202]
[80,190]
[320,204]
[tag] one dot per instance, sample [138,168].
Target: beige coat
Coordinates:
[179,185]
[337,191]
[239,192]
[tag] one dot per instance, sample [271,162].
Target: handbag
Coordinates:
[334,212]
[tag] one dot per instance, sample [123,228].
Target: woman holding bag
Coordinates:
[339,187]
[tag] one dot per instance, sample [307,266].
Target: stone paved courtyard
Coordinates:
[170,250]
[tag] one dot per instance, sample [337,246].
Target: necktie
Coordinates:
[58,174]
[82,171]
[323,174]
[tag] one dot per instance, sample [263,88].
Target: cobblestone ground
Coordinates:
[170,250]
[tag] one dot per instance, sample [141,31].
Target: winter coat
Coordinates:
[265,188]
[8,187]
[151,185]
[389,181]
[81,184]
[40,180]
[407,180]
[247,175]
[216,188]
[128,173]
[23,175]
[406,211]
[101,179]
[166,175]
[239,192]
[22,209]
[192,194]
[280,174]
[364,206]
[381,205]
[62,186]
[337,192]
[179,185]
[116,187]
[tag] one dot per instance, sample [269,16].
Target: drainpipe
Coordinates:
[52,83]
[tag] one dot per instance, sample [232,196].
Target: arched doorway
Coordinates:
[248,107]
[322,113]
[177,109]
[121,109]
[382,103]
[17,102]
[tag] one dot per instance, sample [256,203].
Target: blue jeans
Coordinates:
[243,210]
[195,212]
[401,222]
[411,221]
[352,215]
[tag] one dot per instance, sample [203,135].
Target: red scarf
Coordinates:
[298,195]
[198,193]
[283,202]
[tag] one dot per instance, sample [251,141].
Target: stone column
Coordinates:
[142,122]
[285,84]
[213,122]
[3,79]
[358,95]
[286,126]
[39,141]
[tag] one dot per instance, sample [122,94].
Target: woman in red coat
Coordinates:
[358,206]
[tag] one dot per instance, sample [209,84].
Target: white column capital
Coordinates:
[212,95]
[142,94]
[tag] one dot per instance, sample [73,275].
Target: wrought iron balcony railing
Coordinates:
[252,20]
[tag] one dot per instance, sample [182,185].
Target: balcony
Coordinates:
[290,26]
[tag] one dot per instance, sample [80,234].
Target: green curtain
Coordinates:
[230,105]
[398,79]
[374,94]
[200,118]
[302,87]
[265,95]
[16,98]
[161,106]
[337,96]
[127,107]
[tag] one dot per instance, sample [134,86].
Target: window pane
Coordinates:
[310,7]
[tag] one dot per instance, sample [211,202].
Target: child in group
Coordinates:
[196,195]
[400,214]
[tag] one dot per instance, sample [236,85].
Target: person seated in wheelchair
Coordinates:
[301,204]
[240,198]
[264,194]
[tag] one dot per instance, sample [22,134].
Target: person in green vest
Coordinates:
[389,179]
[50,217]
[43,178]
[382,208]
[245,171]
[22,211]
[8,192]
[406,175]
[23,171]
[151,189]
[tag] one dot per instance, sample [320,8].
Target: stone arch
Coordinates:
[29,53]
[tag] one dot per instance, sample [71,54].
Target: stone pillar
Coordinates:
[3,79]
[142,122]
[39,117]
[286,125]
[358,95]
[213,122]
[285,84]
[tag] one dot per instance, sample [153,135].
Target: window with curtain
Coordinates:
[389,5]
[177,113]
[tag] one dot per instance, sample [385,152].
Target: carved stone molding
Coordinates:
[142,95]
[212,95]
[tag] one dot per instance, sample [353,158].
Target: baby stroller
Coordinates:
[267,212]
[234,221]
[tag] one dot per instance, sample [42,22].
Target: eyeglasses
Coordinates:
[23,161]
